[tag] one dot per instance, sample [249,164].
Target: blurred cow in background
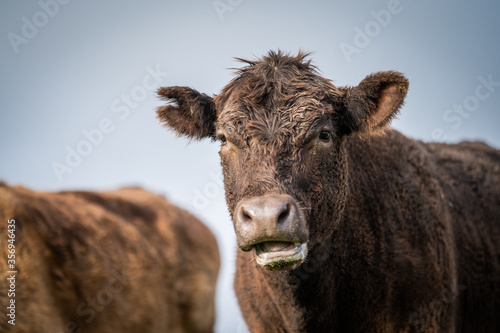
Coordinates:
[117,261]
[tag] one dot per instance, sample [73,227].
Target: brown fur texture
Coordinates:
[404,236]
[117,261]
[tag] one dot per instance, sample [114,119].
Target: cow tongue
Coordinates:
[275,246]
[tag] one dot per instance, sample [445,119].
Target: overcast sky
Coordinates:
[72,68]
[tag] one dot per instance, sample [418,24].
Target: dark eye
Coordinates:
[222,139]
[325,136]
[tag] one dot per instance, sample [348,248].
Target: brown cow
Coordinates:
[350,230]
[118,261]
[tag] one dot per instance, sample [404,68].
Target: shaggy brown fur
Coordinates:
[404,235]
[117,261]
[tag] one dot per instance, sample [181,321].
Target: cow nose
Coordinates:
[267,213]
[268,218]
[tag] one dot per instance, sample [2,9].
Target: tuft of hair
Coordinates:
[277,63]
[270,75]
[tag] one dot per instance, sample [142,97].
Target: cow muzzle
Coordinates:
[275,228]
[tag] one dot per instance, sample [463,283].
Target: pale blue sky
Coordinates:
[75,70]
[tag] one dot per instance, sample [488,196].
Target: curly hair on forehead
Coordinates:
[275,77]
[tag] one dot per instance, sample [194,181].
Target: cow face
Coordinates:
[281,127]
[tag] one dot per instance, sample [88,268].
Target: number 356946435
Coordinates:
[11,228]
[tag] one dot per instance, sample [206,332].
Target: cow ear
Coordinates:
[372,104]
[192,114]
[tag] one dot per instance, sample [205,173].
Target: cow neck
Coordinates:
[303,292]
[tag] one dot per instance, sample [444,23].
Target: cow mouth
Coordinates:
[280,255]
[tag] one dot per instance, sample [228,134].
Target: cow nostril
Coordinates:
[284,215]
[245,217]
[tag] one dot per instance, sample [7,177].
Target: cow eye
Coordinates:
[222,139]
[325,136]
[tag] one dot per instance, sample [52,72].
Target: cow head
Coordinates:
[281,127]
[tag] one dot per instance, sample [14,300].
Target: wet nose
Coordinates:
[266,218]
